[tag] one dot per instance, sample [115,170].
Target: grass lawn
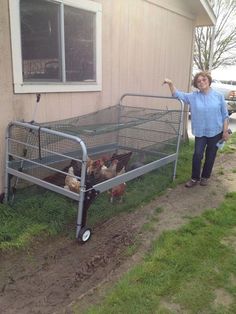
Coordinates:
[192,270]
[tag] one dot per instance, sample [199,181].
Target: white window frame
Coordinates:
[51,87]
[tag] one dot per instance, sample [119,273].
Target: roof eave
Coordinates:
[207,18]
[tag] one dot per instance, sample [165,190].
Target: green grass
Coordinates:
[230,146]
[183,271]
[42,213]
[184,163]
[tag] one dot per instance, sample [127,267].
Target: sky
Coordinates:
[225,73]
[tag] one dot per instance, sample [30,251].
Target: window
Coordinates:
[56,45]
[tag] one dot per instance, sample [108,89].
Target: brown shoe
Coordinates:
[204,182]
[191,183]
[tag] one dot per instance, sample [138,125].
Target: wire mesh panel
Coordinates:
[39,153]
[153,132]
[42,156]
[96,129]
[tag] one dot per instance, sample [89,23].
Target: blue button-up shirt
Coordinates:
[208,111]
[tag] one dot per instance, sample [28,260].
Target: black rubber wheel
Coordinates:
[84,234]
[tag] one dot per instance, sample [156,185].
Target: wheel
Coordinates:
[84,234]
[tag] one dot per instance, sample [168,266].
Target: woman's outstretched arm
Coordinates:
[172,88]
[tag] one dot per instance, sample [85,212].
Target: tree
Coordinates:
[216,46]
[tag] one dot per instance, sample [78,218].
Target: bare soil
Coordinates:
[55,274]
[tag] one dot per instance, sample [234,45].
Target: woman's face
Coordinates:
[203,83]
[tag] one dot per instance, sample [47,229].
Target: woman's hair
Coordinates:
[204,74]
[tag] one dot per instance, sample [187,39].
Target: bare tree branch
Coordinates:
[224,40]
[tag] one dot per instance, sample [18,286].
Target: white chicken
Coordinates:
[71,183]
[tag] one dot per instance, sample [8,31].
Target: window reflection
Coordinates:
[42,53]
[40,40]
[79,44]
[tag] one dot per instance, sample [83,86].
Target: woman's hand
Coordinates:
[226,135]
[167,81]
[170,84]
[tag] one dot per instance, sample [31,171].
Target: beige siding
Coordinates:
[141,44]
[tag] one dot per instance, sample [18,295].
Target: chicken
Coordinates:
[106,160]
[93,173]
[76,167]
[59,177]
[93,165]
[71,183]
[105,168]
[117,192]
[123,160]
[121,171]
[110,172]
[89,165]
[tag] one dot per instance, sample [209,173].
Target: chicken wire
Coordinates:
[153,131]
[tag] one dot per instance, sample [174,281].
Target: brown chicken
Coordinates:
[109,172]
[106,167]
[117,192]
[94,165]
[71,183]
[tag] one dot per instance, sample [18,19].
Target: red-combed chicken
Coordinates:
[94,165]
[71,183]
[117,192]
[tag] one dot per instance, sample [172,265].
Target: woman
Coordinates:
[210,121]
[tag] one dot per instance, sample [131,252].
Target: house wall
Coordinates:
[142,43]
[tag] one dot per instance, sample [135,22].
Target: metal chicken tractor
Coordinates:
[83,156]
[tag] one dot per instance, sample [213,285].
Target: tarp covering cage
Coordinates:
[139,135]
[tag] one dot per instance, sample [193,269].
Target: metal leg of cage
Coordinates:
[7,175]
[179,137]
[86,197]
[38,96]
[83,233]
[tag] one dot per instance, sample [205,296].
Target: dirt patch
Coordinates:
[172,307]
[52,276]
[223,298]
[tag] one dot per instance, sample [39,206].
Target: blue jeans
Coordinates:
[207,145]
